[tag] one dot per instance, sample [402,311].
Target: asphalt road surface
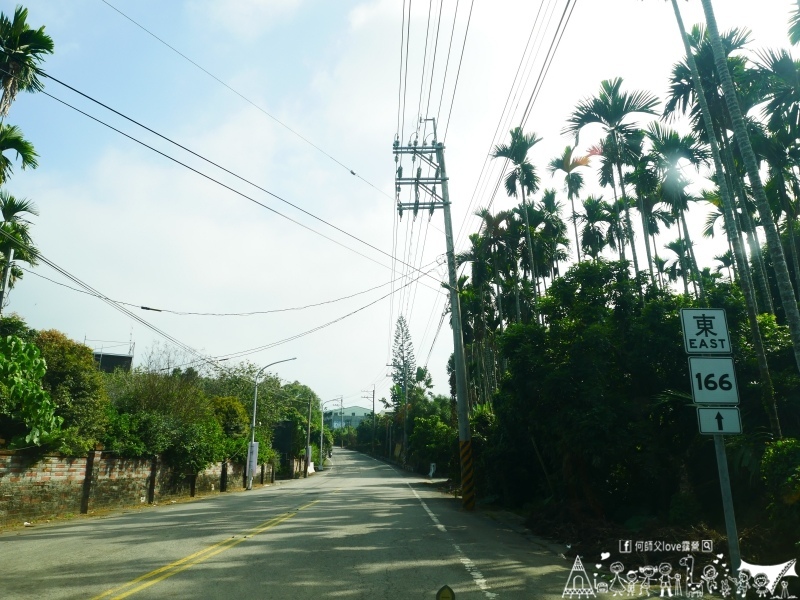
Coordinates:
[360,529]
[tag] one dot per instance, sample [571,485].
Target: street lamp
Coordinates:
[252,451]
[322,428]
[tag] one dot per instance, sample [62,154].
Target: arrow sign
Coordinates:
[719,421]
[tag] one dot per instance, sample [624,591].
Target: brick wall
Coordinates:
[40,487]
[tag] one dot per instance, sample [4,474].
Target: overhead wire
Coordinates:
[245,98]
[458,71]
[220,314]
[220,183]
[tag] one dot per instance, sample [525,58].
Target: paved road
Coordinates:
[358,530]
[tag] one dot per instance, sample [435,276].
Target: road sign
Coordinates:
[705,331]
[719,421]
[713,380]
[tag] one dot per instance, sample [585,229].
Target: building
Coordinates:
[349,416]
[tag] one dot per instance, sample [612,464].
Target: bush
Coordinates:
[27,414]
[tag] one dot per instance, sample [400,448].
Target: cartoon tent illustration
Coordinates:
[578,583]
[773,572]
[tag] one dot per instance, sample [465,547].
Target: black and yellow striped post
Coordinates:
[467,476]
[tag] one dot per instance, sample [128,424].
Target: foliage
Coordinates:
[76,387]
[27,413]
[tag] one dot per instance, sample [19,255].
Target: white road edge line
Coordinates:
[476,575]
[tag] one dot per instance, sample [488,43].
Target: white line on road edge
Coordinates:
[477,576]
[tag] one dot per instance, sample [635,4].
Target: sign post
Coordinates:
[716,396]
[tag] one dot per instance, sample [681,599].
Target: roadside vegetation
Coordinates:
[578,386]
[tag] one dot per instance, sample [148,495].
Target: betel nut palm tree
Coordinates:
[522,178]
[742,138]
[15,237]
[728,210]
[612,109]
[573,182]
[22,49]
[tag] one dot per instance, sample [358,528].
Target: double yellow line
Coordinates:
[144,581]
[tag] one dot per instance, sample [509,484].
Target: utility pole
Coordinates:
[373,416]
[433,156]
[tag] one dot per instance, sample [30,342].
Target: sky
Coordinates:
[303,99]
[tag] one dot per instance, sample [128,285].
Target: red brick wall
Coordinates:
[34,488]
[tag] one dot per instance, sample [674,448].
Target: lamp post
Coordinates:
[252,451]
[308,439]
[322,427]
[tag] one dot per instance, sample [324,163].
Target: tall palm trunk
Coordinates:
[646,231]
[751,164]
[628,224]
[575,227]
[767,390]
[692,257]
[534,277]
[760,274]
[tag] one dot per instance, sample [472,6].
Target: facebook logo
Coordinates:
[625,546]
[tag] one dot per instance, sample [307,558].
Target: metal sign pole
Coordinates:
[727,504]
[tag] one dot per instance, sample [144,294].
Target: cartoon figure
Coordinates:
[688,562]
[710,577]
[724,588]
[648,572]
[602,587]
[785,590]
[742,582]
[617,585]
[666,581]
[677,588]
[761,581]
[632,578]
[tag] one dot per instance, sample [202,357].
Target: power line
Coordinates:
[458,71]
[216,314]
[310,331]
[235,191]
[243,97]
[110,302]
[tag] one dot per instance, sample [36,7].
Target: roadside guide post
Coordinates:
[716,396]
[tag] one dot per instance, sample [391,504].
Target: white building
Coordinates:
[349,416]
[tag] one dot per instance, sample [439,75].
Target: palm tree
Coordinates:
[593,238]
[794,25]
[668,149]
[522,178]
[22,49]
[612,109]
[15,236]
[767,390]
[573,182]
[11,140]
[726,262]
[680,265]
[743,141]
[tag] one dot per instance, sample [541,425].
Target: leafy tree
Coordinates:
[76,387]
[27,414]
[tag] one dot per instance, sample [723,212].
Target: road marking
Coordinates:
[476,575]
[184,563]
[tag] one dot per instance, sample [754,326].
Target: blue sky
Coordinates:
[143,230]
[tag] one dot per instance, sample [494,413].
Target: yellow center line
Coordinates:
[184,563]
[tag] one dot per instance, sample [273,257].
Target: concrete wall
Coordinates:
[40,487]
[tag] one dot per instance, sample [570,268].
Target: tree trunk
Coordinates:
[743,141]
[767,391]
[628,224]
[692,257]
[646,231]
[575,227]
[760,274]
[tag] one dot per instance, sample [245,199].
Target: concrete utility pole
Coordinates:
[433,156]
[373,417]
